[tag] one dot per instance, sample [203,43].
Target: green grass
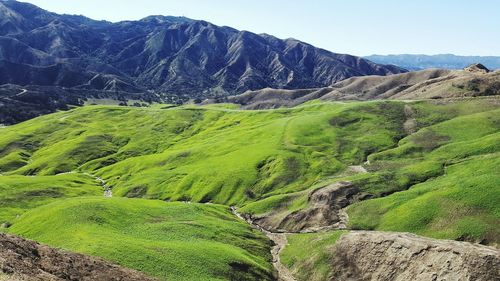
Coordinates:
[19,193]
[308,255]
[462,204]
[440,181]
[450,171]
[421,160]
[203,154]
[172,241]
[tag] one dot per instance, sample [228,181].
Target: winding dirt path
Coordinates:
[280,241]
[107,190]
[100,180]
[102,183]
[357,169]
[410,125]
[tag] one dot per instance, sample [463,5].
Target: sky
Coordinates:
[358,27]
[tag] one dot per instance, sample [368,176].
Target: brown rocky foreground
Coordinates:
[364,255]
[25,260]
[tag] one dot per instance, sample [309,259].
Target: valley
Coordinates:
[138,146]
[310,169]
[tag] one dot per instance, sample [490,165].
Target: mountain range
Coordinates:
[171,56]
[446,61]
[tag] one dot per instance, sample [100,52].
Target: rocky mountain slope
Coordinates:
[175,58]
[446,61]
[375,255]
[25,260]
[475,80]
[364,255]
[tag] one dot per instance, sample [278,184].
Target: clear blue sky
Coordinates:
[463,27]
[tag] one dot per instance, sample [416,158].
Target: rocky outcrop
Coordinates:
[386,256]
[477,68]
[21,259]
[325,210]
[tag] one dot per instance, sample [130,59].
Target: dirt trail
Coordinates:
[410,125]
[100,180]
[344,219]
[323,200]
[280,242]
[357,169]
[107,189]
[23,91]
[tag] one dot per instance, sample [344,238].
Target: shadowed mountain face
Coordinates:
[169,55]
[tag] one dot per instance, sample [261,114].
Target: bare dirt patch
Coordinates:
[26,260]
[372,255]
[410,125]
[325,211]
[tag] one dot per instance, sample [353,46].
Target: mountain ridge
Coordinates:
[473,81]
[163,59]
[164,53]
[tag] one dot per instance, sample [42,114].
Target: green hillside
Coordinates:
[447,166]
[21,193]
[173,241]
[431,170]
[309,254]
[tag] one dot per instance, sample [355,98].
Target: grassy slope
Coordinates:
[19,193]
[460,200]
[308,254]
[173,241]
[448,173]
[462,204]
[217,155]
[435,158]
[262,161]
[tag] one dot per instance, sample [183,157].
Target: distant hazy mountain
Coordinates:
[447,61]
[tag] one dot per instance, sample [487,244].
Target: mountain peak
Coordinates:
[159,19]
[477,68]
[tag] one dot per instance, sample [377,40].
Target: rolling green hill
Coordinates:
[172,241]
[428,167]
[202,154]
[21,193]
